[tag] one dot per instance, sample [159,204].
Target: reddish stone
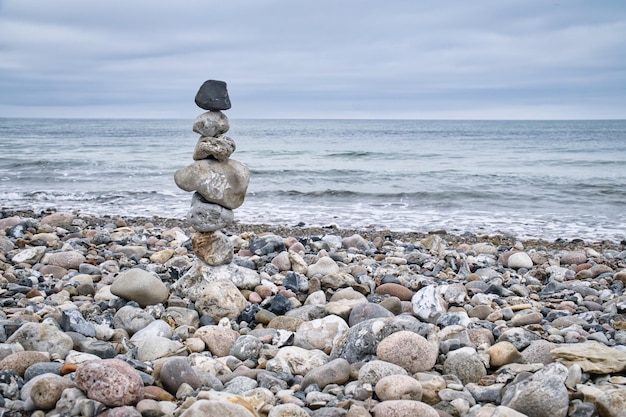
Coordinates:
[111,381]
[20,361]
[396,290]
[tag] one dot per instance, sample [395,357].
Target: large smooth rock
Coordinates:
[593,357]
[208,217]
[200,275]
[219,147]
[213,95]
[221,299]
[140,286]
[214,248]
[543,394]
[43,337]
[408,350]
[220,182]
[111,381]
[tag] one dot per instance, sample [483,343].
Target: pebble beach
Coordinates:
[115,316]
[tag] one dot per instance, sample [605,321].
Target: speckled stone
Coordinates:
[110,381]
[409,350]
[20,361]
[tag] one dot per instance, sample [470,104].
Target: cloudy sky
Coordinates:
[453,59]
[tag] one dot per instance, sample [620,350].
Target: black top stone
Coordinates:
[213,95]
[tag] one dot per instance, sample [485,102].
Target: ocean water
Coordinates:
[527,179]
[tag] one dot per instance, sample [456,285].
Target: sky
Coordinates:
[361,59]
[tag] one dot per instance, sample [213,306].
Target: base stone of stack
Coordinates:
[214,248]
[208,217]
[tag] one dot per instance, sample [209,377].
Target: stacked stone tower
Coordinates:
[219,183]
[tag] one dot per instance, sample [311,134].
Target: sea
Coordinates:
[523,179]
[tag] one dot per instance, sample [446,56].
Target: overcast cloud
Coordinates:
[518,59]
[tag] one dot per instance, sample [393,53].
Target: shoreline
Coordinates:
[309,231]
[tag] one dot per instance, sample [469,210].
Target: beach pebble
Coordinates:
[47,389]
[543,394]
[465,364]
[177,371]
[428,304]
[320,333]
[202,408]
[519,260]
[408,350]
[324,266]
[218,339]
[43,337]
[65,259]
[221,299]
[214,248]
[29,255]
[131,319]
[404,408]
[395,290]
[20,361]
[503,353]
[140,286]
[336,371]
[373,371]
[367,311]
[110,381]
[296,360]
[287,410]
[398,387]
[154,347]
[576,257]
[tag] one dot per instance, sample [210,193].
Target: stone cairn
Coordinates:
[219,183]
